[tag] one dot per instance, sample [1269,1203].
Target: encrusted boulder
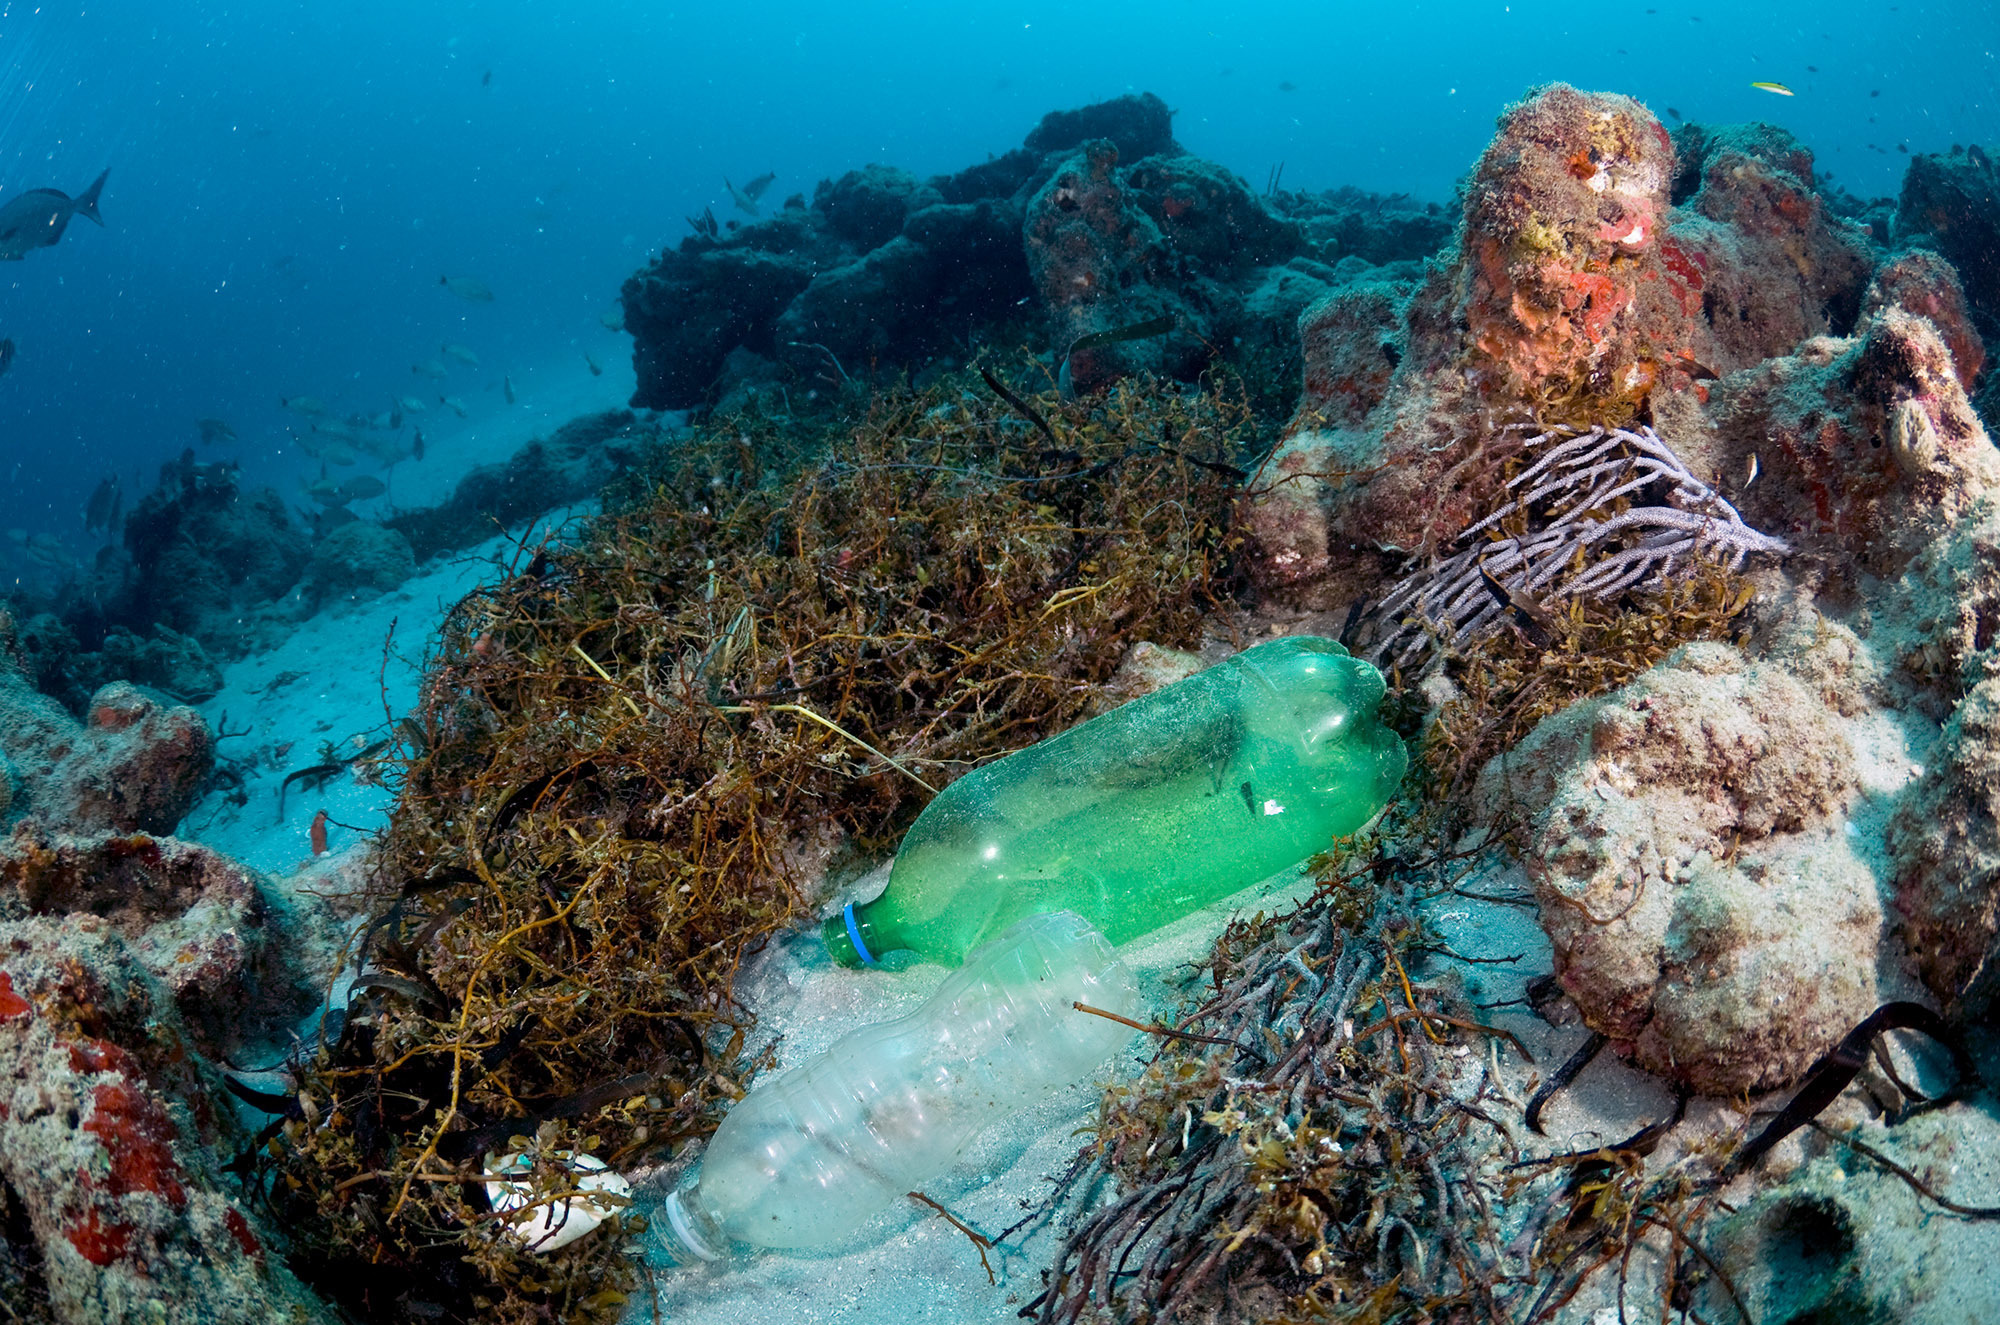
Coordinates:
[1138,126]
[201,557]
[1576,293]
[694,305]
[1865,448]
[1098,261]
[1687,840]
[867,207]
[108,1125]
[1945,842]
[134,764]
[1772,264]
[1920,282]
[203,925]
[360,560]
[1951,203]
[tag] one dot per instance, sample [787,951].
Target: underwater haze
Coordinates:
[288,182]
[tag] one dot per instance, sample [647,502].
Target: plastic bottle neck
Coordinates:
[855,938]
[685,1231]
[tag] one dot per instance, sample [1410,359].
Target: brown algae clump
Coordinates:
[635,756]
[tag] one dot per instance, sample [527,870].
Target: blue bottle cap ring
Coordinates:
[854,936]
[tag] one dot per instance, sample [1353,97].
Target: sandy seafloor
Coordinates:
[909,1265]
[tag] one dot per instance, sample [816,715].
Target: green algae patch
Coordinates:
[636,755]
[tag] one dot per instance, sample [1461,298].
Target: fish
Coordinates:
[362,487]
[337,430]
[97,512]
[1288,86]
[417,447]
[1530,617]
[454,404]
[469,288]
[214,431]
[318,833]
[613,318]
[306,405]
[746,197]
[486,79]
[37,218]
[1676,114]
[460,353]
[325,492]
[1778,88]
[507,387]
[337,454]
[6,355]
[430,368]
[595,371]
[1696,369]
[412,404]
[1812,68]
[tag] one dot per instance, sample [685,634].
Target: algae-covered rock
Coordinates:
[1686,837]
[135,764]
[360,560]
[108,1134]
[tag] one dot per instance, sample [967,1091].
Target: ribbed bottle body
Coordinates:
[808,1157]
[1146,813]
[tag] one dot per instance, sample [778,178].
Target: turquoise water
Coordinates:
[288,181]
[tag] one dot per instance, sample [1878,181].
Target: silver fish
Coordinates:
[461,353]
[430,368]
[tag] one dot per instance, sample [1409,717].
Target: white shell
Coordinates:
[556,1223]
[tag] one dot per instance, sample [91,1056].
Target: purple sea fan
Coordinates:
[1597,513]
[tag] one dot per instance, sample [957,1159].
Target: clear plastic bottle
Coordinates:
[807,1158]
[1144,814]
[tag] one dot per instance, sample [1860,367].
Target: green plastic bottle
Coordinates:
[1135,818]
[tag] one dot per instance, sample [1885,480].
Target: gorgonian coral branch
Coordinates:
[1598,513]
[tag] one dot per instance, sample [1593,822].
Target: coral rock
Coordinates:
[104,1123]
[1945,842]
[1771,264]
[1924,284]
[1098,261]
[1952,203]
[1566,291]
[200,922]
[360,560]
[135,765]
[867,207]
[1138,126]
[694,305]
[1686,845]
[1866,448]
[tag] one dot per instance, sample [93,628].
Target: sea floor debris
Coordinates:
[641,751]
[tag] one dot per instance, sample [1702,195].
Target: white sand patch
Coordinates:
[341,677]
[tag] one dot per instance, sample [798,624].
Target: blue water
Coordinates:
[288,181]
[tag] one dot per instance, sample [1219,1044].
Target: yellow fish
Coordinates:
[1778,88]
